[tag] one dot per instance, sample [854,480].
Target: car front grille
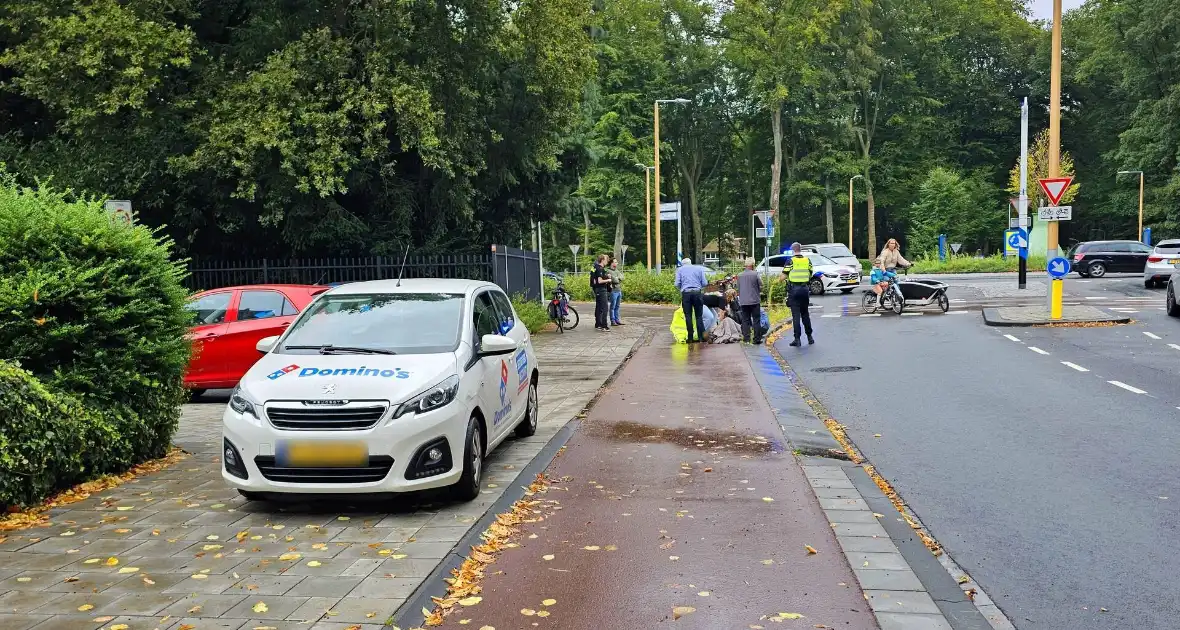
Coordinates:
[377,469]
[306,416]
[848,277]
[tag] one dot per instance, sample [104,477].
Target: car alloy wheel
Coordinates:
[467,488]
[528,426]
[1097,269]
[816,286]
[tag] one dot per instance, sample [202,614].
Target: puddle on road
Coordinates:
[687,437]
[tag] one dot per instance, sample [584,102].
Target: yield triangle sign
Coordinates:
[1054,188]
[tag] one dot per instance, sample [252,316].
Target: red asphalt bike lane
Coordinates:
[676,503]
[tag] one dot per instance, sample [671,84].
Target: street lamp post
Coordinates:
[659,243]
[647,207]
[1140,174]
[852,179]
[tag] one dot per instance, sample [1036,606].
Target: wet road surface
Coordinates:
[676,501]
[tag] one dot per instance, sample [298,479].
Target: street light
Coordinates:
[1140,174]
[852,179]
[659,243]
[647,206]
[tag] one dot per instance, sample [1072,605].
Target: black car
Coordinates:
[1096,258]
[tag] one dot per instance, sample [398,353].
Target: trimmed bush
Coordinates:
[641,287]
[533,314]
[95,312]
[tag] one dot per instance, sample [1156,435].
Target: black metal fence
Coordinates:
[516,271]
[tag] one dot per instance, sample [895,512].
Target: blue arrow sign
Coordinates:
[1018,238]
[1058,267]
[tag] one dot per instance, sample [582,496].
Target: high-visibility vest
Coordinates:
[801,270]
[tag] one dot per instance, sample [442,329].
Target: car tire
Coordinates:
[468,486]
[816,286]
[845,291]
[1172,308]
[1097,269]
[194,394]
[249,496]
[1149,284]
[528,424]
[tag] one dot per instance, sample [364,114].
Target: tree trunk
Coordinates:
[586,232]
[776,125]
[828,211]
[696,246]
[618,250]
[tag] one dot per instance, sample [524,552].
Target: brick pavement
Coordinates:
[180,549]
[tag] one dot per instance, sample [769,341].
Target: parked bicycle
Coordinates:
[560,311]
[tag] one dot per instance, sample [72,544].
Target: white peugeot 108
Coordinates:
[385,386]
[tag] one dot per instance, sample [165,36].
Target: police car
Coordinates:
[385,386]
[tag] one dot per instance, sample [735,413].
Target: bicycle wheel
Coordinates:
[555,317]
[898,304]
[571,320]
[868,302]
[944,303]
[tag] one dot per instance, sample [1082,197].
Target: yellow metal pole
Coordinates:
[647,211]
[1054,150]
[656,199]
[1141,206]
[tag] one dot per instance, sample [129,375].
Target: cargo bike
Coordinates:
[900,294]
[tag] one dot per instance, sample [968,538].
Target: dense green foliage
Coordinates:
[264,128]
[94,311]
[533,314]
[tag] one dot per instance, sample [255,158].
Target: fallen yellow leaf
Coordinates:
[673,558]
[784,615]
[128,569]
[260,607]
[212,537]
[112,561]
[547,556]
[704,593]
[398,556]
[810,549]
[681,611]
[199,576]
[313,563]
[67,533]
[186,626]
[542,613]
[122,530]
[487,628]
[194,610]
[591,547]
[24,579]
[85,607]
[548,602]
[290,556]
[91,561]
[119,626]
[470,601]
[527,612]
[211,547]
[102,619]
[768,499]
[343,518]
[767,562]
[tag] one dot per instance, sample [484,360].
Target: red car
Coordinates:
[228,324]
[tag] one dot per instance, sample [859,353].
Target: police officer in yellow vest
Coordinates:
[798,294]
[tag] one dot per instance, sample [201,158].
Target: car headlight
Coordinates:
[241,404]
[431,399]
[828,274]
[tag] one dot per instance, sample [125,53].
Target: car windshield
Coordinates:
[1168,248]
[401,323]
[820,259]
[835,251]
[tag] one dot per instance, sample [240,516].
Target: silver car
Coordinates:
[1161,263]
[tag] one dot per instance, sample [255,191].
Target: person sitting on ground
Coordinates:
[732,305]
[726,330]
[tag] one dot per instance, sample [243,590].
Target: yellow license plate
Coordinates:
[323,454]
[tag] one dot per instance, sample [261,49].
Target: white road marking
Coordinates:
[959,300]
[1152,335]
[831,315]
[1174,346]
[1095,297]
[1037,350]
[1124,310]
[957,312]
[1074,366]
[1013,338]
[1133,390]
[911,314]
[870,315]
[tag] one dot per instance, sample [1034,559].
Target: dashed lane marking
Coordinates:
[1037,350]
[1133,390]
[831,315]
[1095,297]
[1152,335]
[1174,346]
[1013,338]
[1074,366]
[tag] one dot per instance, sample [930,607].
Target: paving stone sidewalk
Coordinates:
[180,550]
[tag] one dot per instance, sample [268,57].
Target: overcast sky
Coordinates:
[1043,9]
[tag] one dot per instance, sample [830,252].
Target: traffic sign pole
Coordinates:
[1022,207]
[1055,149]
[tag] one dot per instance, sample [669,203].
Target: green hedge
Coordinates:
[94,311]
[967,264]
[639,286]
[532,313]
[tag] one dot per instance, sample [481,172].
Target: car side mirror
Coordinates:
[493,345]
[266,344]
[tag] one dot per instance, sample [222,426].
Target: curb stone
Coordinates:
[907,587]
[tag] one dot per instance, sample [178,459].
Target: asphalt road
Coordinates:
[1044,461]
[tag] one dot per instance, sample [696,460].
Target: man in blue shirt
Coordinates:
[691,280]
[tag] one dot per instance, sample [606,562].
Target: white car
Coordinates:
[383,387]
[837,252]
[832,276]
[1161,262]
